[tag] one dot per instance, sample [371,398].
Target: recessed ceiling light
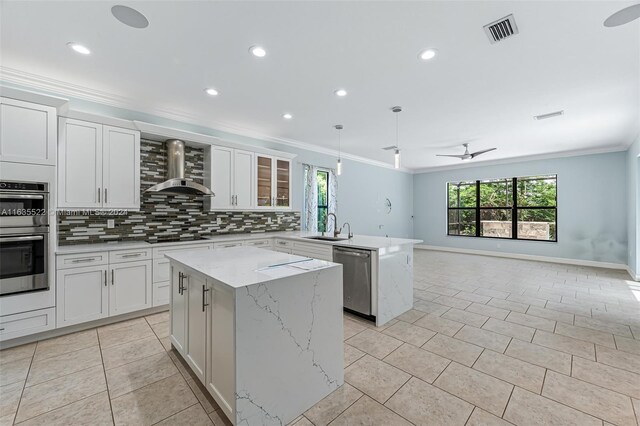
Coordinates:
[287,116]
[79,48]
[340,92]
[427,54]
[258,51]
[129,16]
[211,91]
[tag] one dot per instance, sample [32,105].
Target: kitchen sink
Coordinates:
[323,238]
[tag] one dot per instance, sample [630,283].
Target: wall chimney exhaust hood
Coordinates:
[176,183]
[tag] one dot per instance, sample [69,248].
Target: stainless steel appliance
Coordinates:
[24,237]
[23,204]
[23,259]
[176,183]
[356,279]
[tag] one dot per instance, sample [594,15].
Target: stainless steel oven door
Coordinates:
[20,209]
[23,260]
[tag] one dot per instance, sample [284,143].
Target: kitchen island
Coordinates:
[261,330]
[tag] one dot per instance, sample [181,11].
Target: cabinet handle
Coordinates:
[99,194]
[124,256]
[84,259]
[112,274]
[2,329]
[204,297]
[105,195]
[105,277]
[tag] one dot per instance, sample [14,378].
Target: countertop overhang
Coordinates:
[240,267]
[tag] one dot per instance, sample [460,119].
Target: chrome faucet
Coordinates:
[336,231]
[350,234]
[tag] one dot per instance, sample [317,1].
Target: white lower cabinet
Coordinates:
[197,323]
[93,292]
[130,287]
[178,312]
[220,368]
[25,323]
[202,330]
[82,295]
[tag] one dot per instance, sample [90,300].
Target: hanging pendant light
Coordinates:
[396,155]
[339,127]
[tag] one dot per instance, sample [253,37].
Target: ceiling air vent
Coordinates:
[501,29]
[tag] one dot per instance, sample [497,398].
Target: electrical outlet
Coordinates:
[268,220]
[279,220]
[111,223]
[219,220]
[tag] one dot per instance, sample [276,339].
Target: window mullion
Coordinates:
[478,221]
[514,209]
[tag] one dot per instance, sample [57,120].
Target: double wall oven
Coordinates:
[24,237]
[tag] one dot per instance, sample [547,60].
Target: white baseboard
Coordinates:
[633,274]
[562,260]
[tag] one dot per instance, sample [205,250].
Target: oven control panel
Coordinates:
[22,186]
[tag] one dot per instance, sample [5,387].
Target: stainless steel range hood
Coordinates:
[176,182]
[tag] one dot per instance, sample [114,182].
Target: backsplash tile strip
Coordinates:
[169,217]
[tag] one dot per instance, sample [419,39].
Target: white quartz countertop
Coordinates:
[240,267]
[358,241]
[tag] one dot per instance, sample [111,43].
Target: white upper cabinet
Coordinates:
[80,164]
[27,132]
[229,174]
[243,179]
[273,182]
[98,166]
[220,177]
[121,167]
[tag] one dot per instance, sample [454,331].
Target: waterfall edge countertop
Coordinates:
[244,266]
[264,337]
[368,242]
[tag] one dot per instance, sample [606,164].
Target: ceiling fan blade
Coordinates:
[475,154]
[454,156]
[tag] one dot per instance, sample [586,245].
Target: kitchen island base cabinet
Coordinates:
[272,349]
[394,271]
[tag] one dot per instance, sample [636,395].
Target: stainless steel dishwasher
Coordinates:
[356,279]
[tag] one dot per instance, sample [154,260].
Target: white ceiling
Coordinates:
[563,58]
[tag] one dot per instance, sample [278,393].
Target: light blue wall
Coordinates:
[362,188]
[633,205]
[592,213]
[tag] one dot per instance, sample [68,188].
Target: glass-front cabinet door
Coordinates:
[264,175]
[283,183]
[273,182]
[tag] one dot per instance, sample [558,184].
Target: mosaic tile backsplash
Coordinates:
[169,217]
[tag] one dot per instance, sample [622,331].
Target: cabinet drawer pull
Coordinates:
[2,329]
[105,195]
[125,256]
[112,276]
[84,259]
[282,243]
[204,297]
[99,194]
[105,277]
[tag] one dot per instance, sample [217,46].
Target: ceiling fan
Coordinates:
[467,155]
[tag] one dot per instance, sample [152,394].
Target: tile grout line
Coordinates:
[24,385]
[350,405]
[106,382]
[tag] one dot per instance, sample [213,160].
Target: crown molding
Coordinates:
[534,157]
[34,81]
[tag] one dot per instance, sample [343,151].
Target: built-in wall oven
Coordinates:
[24,237]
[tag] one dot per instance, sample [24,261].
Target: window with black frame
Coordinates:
[323,198]
[523,208]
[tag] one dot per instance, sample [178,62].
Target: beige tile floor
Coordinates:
[490,342]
